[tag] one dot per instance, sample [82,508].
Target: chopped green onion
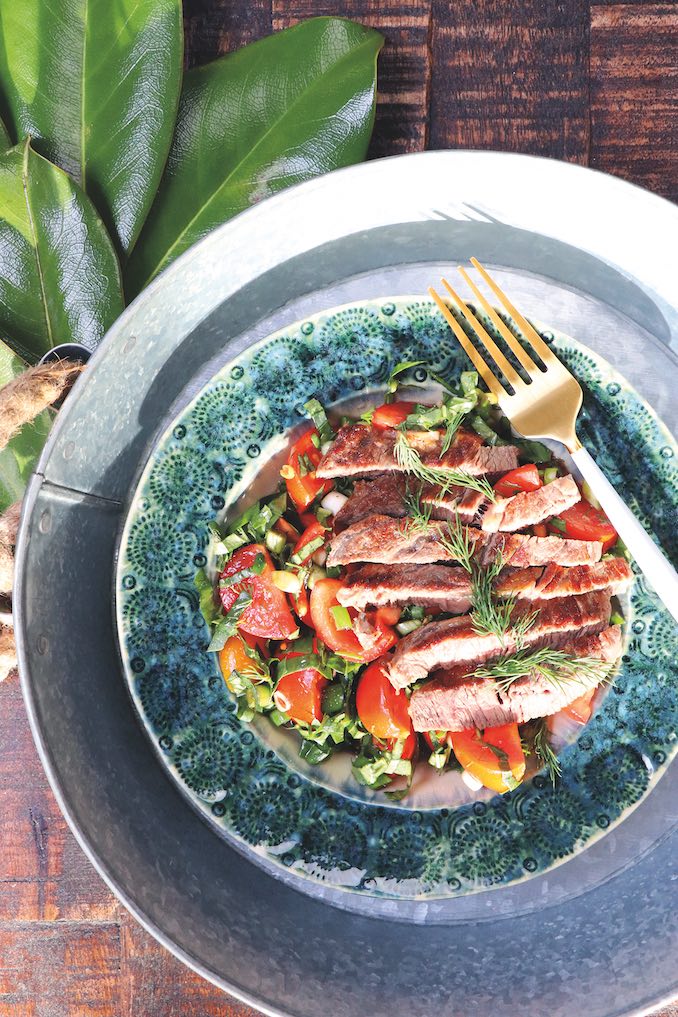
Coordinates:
[342,618]
[259,564]
[550,474]
[317,414]
[557,524]
[616,619]
[307,550]
[316,573]
[233,541]
[333,699]
[404,628]
[275,541]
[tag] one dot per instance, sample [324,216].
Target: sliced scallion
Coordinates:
[341,617]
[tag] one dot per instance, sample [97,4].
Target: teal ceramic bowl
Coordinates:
[223,451]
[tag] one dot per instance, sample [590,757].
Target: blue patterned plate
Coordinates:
[246,778]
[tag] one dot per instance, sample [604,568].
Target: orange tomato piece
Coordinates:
[299,695]
[390,415]
[382,709]
[302,484]
[472,749]
[233,657]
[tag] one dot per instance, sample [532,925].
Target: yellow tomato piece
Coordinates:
[233,657]
[500,771]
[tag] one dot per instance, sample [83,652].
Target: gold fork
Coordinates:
[547,406]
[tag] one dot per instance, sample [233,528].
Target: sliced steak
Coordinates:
[388,541]
[454,701]
[439,586]
[386,493]
[613,574]
[455,640]
[361,449]
[531,507]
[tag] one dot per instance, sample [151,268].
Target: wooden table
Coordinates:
[593,83]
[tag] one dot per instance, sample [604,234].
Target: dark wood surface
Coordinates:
[592,83]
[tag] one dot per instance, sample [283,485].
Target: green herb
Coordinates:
[419,516]
[211,611]
[375,766]
[544,752]
[458,543]
[490,616]
[533,452]
[307,551]
[550,474]
[228,625]
[482,428]
[557,524]
[394,377]
[616,619]
[367,417]
[557,667]
[317,414]
[410,461]
[413,612]
[342,618]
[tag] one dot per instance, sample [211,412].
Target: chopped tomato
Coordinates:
[268,615]
[524,478]
[382,710]
[581,708]
[288,531]
[299,694]
[391,414]
[539,530]
[257,643]
[584,522]
[311,533]
[389,614]
[308,519]
[234,657]
[472,749]
[344,641]
[299,472]
[442,736]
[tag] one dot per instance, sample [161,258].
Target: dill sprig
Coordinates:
[458,543]
[490,615]
[419,514]
[544,752]
[557,667]
[410,461]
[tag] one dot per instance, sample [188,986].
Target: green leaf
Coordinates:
[18,458]
[5,140]
[59,275]
[286,108]
[96,84]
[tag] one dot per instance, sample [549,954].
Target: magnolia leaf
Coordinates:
[59,275]
[96,83]
[287,108]
[18,458]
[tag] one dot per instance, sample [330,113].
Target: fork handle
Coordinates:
[657,568]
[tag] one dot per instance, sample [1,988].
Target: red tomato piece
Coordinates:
[382,710]
[584,522]
[390,415]
[311,533]
[581,708]
[389,614]
[344,641]
[302,484]
[540,530]
[268,615]
[299,695]
[524,478]
[473,752]
[288,531]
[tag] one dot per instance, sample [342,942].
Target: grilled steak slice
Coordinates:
[613,574]
[455,640]
[530,507]
[449,589]
[360,449]
[385,494]
[440,586]
[454,701]
[396,541]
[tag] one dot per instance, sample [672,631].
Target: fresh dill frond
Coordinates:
[544,752]
[451,429]
[521,626]
[419,514]
[410,461]
[458,543]
[558,668]
[490,615]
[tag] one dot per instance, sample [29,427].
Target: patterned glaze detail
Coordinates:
[208,458]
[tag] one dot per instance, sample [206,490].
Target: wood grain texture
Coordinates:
[634,94]
[589,82]
[511,77]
